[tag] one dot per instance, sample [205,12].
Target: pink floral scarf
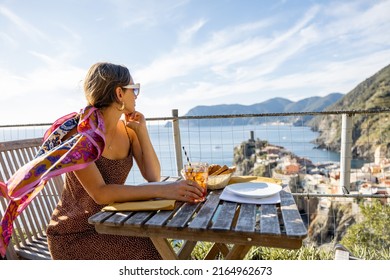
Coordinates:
[55,157]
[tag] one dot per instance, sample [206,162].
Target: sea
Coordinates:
[214,144]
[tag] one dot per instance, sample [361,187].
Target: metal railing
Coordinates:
[345,147]
[190,125]
[217,138]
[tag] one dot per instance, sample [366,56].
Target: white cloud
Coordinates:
[229,54]
[53,77]
[147,13]
[243,60]
[353,23]
[328,47]
[47,83]
[187,34]
[212,54]
[7,39]
[28,29]
[42,95]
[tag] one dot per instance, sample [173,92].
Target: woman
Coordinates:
[111,89]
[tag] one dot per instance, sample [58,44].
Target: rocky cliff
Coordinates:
[330,225]
[370,131]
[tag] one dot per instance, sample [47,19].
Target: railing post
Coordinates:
[346,153]
[177,140]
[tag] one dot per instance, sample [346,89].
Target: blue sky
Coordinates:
[186,53]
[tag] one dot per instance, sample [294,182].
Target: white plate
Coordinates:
[255,190]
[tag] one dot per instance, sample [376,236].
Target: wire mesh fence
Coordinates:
[303,149]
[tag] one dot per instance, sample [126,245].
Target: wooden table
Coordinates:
[233,228]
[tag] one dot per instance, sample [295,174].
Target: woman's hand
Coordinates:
[185,190]
[135,120]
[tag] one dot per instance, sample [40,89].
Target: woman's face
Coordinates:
[131,93]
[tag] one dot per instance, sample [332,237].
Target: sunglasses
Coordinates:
[135,87]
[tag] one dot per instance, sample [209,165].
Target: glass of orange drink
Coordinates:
[198,172]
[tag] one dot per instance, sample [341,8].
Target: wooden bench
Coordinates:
[29,237]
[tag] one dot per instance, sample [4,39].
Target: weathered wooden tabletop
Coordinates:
[214,220]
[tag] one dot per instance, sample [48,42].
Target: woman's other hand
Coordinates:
[135,120]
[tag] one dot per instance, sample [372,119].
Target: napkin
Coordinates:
[230,196]
[162,204]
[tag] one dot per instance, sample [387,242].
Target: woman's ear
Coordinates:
[119,93]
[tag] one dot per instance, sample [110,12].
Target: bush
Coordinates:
[304,253]
[370,238]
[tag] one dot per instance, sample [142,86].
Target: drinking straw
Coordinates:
[189,163]
[188,159]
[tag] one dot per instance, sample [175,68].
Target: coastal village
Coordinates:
[260,158]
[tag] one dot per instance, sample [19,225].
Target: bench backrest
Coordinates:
[31,224]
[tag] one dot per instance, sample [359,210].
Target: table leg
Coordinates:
[164,248]
[238,252]
[186,250]
[215,249]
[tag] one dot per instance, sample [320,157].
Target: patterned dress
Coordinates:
[71,237]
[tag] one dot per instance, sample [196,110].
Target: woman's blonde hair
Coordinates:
[101,82]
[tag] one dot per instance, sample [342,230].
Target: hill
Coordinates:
[274,105]
[368,129]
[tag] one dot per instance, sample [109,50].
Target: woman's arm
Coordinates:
[143,150]
[102,193]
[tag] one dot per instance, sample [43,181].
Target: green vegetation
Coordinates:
[304,253]
[370,238]
[264,253]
